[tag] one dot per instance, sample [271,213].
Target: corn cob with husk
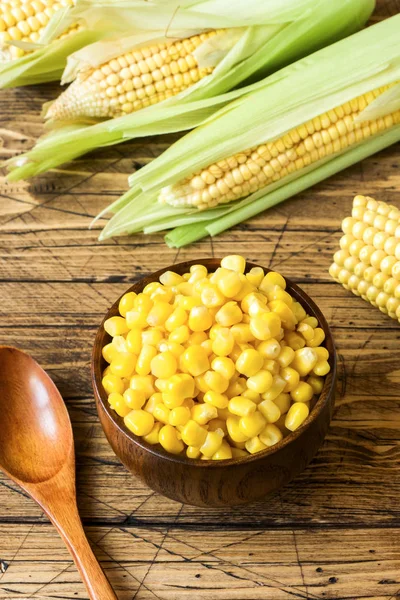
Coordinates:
[36,37]
[271,144]
[368,262]
[176,75]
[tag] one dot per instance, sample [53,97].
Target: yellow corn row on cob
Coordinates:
[25,20]
[133,81]
[247,172]
[368,263]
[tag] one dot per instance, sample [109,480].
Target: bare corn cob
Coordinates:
[25,20]
[247,172]
[368,263]
[132,81]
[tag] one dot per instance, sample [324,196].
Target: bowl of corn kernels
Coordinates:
[214,380]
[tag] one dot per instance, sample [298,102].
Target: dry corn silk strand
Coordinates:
[368,262]
[214,365]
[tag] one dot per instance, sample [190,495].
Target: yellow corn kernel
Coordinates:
[247,288]
[229,284]
[270,435]
[199,269]
[199,319]
[218,423]
[304,361]
[257,307]
[151,288]
[306,331]
[241,406]
[136,319]
[201,385]
[224,452]
[159,313]
[143,363]
[203,413]
[303,392]
[279,294]
[296,416]
[312,321]
[260,382]
[286,356]
[253,424]
[168,439]
[238,452]
[134,341]
[249,362]
[216,399]
[126,303]
[234,262]
[236,387]
[276,388]
[135,399]
[298,311]
[186,289]
[242,333]
[251,395]
[207,345]
[254,445]
[319,336]
[117,402]
[139,422]
[152,337]
[179,415]
[198,338]
[223,342]
[112,383]
[161,413]
[179,387]
[317,383]
[291,376]
[322,353]
[224,365]
[216,382]
[269,348]
[180,335]
[162,294]
[321,368]
[109,352]
[212,443]
[188,302]
[265,326]
[171,279]
[294,340]
[195,360]
[269,410]
[255,276]
[177,318]
[143,302]
[271,280]
[211,296]
[164,365]
[234,431]
[229,314]
[193,434]
[152,402]
[107,371]
[193,452]
[253,298]
[283,402]
[153,437]
[285,313]
[116,326]
[144,383]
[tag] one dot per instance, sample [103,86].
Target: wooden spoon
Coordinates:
[37,452]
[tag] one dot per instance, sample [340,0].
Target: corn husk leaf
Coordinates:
[289,29]
[322,81]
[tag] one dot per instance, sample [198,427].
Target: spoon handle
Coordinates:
[70,528]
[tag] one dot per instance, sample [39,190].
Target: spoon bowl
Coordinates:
[35,429]
[37,452]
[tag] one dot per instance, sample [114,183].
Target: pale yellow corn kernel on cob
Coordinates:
[253,169]
[25,20]
[132,81]
[368,263]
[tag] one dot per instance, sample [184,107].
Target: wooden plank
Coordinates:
[176,564]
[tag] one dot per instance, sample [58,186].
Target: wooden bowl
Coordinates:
[216,483]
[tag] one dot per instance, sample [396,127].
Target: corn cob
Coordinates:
[26,20]
[133,81]
[245,173]
[368,263]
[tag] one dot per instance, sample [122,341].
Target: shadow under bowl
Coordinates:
[216,483]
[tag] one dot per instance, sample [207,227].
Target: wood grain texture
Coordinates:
[334,532]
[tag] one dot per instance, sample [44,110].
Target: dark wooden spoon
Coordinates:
[37,452]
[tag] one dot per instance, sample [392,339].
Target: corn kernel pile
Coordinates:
[216,365]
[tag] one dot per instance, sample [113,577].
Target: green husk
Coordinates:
[328,78]
[274,33]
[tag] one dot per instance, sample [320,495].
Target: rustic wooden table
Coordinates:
[334,532]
